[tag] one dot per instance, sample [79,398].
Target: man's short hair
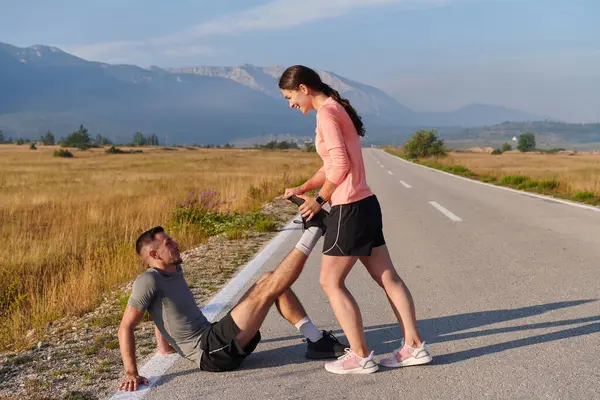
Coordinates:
[146,238]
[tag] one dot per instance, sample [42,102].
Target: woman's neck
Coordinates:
[318,101]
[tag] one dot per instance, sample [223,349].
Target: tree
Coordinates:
[152,140]
[79,139]
[47,139]
[425,144]
[20,141]
[526,142]
[138,139]
[506,147]
[1,136]
[228,145]
[101,141]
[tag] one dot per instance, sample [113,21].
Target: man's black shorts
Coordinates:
[221,350]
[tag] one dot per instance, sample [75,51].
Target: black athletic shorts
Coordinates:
[354,229]
[220,349]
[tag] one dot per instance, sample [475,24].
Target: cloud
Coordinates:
[275,15]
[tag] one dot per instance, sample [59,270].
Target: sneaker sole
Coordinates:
[369,370]
[408,363]
[321,356]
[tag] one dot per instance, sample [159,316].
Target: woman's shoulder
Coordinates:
[331,109]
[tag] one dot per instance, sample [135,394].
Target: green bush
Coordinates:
[496,152]
[424,144]
[513,180]
[63,153]
[584,196]
[32,146]
[506,147]
[526,142]
[116,150]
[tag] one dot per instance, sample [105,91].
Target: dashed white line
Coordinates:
[538,196]
[406,185]
[390,172]
[446,212]
[382,166]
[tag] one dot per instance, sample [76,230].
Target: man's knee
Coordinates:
[264,289]
[264,277]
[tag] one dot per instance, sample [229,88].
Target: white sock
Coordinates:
[309,239]
[309,330]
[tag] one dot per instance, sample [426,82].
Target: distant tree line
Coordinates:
[274,144]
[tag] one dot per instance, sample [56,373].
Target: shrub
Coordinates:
[63,153]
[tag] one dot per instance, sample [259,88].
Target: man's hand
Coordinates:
[289,192]
[309,208]
[132,381]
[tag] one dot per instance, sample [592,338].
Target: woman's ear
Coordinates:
[303,88]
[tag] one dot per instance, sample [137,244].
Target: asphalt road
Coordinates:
[506,288]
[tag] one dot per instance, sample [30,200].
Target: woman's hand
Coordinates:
[309,208]
[289,192]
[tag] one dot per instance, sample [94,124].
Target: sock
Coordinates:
[309,239]
[309,330]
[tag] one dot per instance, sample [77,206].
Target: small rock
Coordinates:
[40,344]
[49,358]
[74,328]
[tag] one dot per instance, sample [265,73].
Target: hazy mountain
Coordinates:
[44,88]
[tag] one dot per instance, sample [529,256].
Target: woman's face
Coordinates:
[299,99]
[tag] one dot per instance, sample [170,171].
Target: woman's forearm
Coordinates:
[316,181]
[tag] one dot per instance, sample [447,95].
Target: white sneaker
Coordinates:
[350,363]
[406,356]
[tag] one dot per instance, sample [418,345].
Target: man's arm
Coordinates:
[161,343]
[131,317]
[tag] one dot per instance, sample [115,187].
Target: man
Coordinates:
[222,346]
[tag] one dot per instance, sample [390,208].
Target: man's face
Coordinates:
[166,249]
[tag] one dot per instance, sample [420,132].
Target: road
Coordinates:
[506,288]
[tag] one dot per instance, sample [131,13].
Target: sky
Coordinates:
[541,56]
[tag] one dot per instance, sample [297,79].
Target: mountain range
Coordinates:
[44,88]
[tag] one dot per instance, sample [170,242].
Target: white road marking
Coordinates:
[406,185]
[446,212]
[390,172]
[538,196]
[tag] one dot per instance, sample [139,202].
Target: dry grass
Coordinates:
[580,172]
[68,226]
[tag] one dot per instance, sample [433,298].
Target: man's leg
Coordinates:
[274,287]
[250,313]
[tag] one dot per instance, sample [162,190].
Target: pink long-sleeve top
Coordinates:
[338,144]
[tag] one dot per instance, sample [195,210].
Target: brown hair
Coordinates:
[146,238]
[297,75]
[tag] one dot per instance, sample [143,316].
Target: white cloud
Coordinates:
[275,15]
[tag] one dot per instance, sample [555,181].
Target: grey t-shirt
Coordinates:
[174,311]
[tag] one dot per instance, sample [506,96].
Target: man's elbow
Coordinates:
[125,329]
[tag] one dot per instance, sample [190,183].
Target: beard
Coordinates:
[176,260]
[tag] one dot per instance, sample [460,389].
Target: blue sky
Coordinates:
[541,56]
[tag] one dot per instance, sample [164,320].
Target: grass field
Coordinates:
[575,177]
[68,226]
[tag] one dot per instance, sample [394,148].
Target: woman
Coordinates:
[354,226]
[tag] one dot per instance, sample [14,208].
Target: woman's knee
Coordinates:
[377,278]
[331,283]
